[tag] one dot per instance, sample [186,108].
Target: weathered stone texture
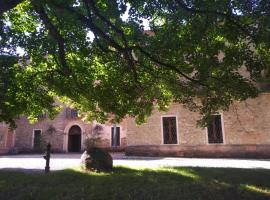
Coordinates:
[6,138]
[214,151]
[25,130]
[246,130]
[59,138]
[150,133]
[248,122]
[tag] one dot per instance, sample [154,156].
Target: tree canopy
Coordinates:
[99,56]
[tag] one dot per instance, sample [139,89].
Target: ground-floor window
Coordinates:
[37,139]
[215,132]
[115,141]
[169,130]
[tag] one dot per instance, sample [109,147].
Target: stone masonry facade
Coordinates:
[245,132]
[6,138]
[57,132]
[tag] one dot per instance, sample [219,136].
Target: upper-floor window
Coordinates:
[215,132]
[71,113]
[169,130]
[74,113]
[42,116]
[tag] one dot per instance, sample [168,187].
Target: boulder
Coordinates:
[97,159]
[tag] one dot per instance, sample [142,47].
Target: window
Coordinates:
[215,132]
[42,116]
[169,130]
[115,137]
[71,113]
[37,140]
[74,113]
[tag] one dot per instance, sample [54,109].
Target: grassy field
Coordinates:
[129,183]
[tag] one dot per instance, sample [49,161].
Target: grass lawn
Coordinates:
[129,183]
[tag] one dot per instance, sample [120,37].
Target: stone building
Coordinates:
[66,133]
[7,138]
[243,131]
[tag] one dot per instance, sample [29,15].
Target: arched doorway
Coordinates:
[74,139]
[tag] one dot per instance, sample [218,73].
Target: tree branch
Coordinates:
[194,10]
[56,36]
[88,22]
[127,52]
[108,22]
[169,66]
[229,17]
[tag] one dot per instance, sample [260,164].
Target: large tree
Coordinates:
[98,55]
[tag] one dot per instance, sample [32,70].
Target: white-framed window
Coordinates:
[115,139]
[169,129]
[36,140]
[215,130]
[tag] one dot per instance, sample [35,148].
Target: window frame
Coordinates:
[162,133]
[223,132]
[42,116]
[70,113]
[74,113]
[119,135]
[33,136]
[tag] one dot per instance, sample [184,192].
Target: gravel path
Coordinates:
[63,161]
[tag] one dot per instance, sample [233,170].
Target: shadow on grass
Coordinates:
[129,183]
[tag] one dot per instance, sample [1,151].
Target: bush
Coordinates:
[95,158]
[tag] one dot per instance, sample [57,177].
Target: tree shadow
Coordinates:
[139,184]
[23,170]
[241,180]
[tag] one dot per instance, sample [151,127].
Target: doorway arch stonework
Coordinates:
[66,134]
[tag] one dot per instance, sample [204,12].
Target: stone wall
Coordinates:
[6,139]
[59,138]
[25,131]
[246,127]
[211,151]
[150,133]
[248,122]
[3,133]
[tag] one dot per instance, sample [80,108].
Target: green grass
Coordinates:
[129,183]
